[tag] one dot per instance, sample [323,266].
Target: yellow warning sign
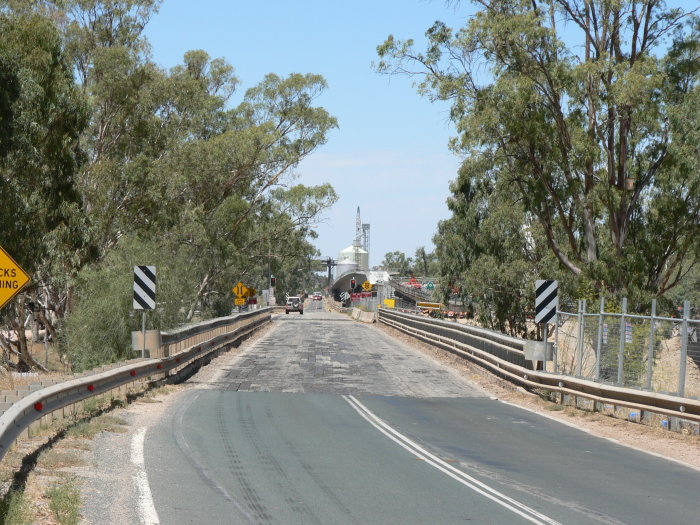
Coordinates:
[240,289]
[12,277]
[367,286]
[239,301]
[390,303]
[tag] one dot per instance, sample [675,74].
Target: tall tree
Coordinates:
[42,115]
[595,134]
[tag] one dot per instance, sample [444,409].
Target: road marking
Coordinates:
[477,486]
[146,508]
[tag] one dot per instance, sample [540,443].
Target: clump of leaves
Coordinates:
[14,509]
[64,502]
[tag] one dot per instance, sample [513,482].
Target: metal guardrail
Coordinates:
[213,336]
[435,333]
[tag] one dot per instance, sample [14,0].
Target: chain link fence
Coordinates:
[653,353]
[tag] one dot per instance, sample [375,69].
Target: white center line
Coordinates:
[146,508]
[477,486]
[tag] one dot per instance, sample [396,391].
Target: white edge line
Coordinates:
[456,474]
[146,508]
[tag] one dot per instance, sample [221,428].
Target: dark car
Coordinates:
[294,304]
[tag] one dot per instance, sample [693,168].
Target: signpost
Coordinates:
[240,289]
[546,303]
[12,277]
[242,294]
[367,286]
[144,295]
[430,285]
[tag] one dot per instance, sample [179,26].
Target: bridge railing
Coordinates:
[184,351]
[504,356]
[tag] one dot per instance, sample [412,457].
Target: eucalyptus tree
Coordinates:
[41,116]
[587,110]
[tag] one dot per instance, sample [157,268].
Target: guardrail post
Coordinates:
[684,349]
[652,335]
[621,354]
[599,343]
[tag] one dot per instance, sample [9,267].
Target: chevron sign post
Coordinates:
[144,287]
[546,301]
[144,295]
[546,304]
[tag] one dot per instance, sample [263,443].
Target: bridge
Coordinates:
[320,419]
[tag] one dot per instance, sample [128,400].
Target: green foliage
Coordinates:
[41,116]
[14,509]
[64,501]
[112,161]
[397,262]
[99,328]
[593,146]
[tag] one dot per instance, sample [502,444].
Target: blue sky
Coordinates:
[389,155]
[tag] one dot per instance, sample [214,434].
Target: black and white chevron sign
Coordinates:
[546,301]
[144,287]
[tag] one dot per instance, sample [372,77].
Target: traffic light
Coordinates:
[273,281]
[352,283]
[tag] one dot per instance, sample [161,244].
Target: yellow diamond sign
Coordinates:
[12,277]
[240,289]
[367,286]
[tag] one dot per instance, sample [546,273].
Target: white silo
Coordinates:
[345,265]
[356,255]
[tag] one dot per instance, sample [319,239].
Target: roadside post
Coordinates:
[144,296]
[546,304]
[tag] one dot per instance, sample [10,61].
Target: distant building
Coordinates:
[356,255]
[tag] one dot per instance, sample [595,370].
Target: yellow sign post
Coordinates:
[367,286]
[240,289]
[12,277]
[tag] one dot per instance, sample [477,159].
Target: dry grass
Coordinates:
[89,429]
[53,459]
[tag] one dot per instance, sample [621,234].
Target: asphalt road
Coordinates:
[324,420]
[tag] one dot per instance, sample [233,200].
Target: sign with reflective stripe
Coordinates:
[546,300]
[144,287]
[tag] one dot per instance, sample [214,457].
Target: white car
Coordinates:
[294,304]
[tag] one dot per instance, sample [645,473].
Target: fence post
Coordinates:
[581,331]
[684,348]
[599,343]
[621,354]
[555,346]
[650,355]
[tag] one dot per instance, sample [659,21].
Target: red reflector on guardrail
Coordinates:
[177,359]
[38,406]
[133,373]
[91,387]
[159,366]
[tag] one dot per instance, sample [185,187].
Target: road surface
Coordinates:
[324,420]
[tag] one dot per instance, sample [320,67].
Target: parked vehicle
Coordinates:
[294,304]
[317,296]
